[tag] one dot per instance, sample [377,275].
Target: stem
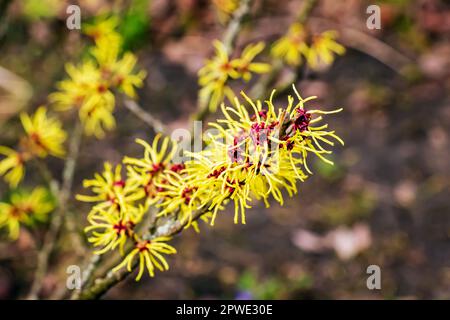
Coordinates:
[58,218]
[230,35]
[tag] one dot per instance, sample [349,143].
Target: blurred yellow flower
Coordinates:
[219,68]
[124,78]
[178,196]
[44,136]
[104,29]
[25,208]
[244,65]
[97,113]
[12,166]
[148,172]
[73,92]
[292,46]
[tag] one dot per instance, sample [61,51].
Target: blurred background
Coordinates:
[385,202]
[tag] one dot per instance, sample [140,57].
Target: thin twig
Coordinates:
[53,184]
[145,116]
[58,218]
[233,27]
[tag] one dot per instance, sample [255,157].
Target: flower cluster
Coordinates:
[225,8]
[25,208]
[44,136]
[316,49]
[249,155]
[91,84]
[215,75]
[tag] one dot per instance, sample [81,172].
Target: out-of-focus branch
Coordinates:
[4,19]
[146,117]
[58,217]
[233,27]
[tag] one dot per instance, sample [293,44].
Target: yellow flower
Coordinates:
[106,52]
[148,171]
[87,91]
[112,192]
[73,92]
[91,84]
[124,78]
[45,135]
[150,256]
[225,8]
[116,70]
[97,113]
[256,152]
[303,137]
[323,48]
[214,76]
[219,68]
[178,196]
[317,49]
[12,166]
[24,208]
[214,93]
[104,29]
[292,46]
[244,65]
[219,179]
[111,229]
[257,155]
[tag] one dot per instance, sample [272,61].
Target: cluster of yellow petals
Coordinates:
[43,136]
[91,85]
[299,44]
[255,152]
[24,208]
